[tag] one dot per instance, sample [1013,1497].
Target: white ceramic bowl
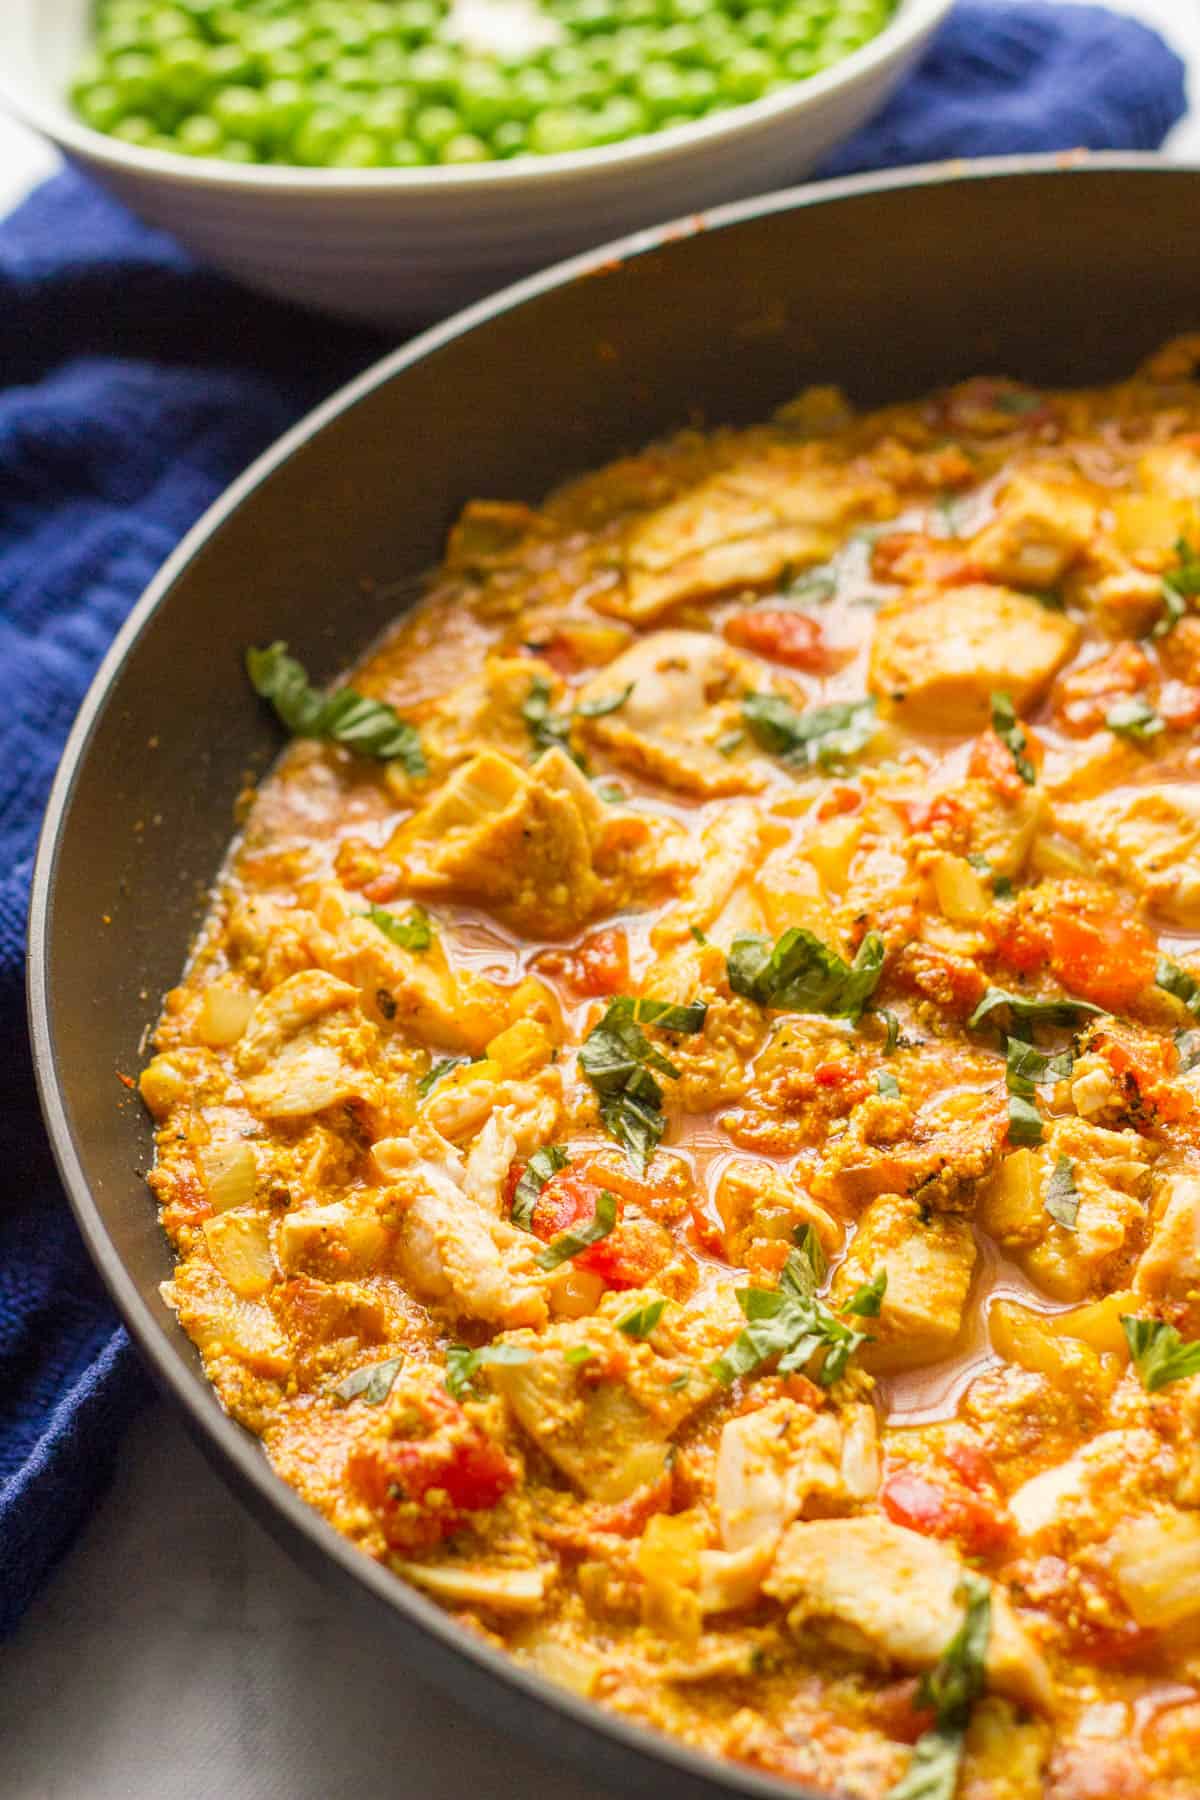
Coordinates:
[397,245]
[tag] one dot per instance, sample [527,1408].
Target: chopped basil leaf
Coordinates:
[951,1688]
[822,736]
[697,934]
[609,791]
[438,1069]
[679,1381]
[578,1353]
[573,1242]
[1030,1012]
[1187,1043]
[806,1266]
[801,974]
[731,741]
[413,932]
[1177,982]
[1011,732]
[641,1321]
[1050,598]
[372,1384]
[893,1030]
[1179,586]
[462,1365]
[1061,1199]
[368,727]
[818,585]
[605,704]
[886,1085]
[1159,1353]
[865,1302]
[790,1323]
[1134,718]
[947,508]
[617,1057]
[547,729]
[1001,885]
[1024,1121]
[1017,402]
[537,1172]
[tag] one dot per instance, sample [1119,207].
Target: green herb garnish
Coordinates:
[1011,732]
[1179,586]
[951,1688]
[462,1365]
[892,1025]
[372,1384]
[1030,1012]
[1025,1070]
[790,1323]
[537,1172]
[1187,1045]
[866,1302]
[435,1072]
[641,1321]
[1135,719]
[413,932]
[1160,1355]
[368,727]
[886,1085]
[820,737]
[549,730]
[617,1057]
[1177,982]
[604,704]
[1061,1199]
[580,1237]
[579,1353]
[801,974]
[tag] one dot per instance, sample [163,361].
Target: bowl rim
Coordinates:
[912,21]
[240,1456]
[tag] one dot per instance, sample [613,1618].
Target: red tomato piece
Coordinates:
[422,1488]
[598,965]
[992,761]
[1109,959]
[938,1506]
[782,635]
[629,1256]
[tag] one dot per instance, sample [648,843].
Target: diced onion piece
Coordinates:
[1011,1209]
[1148,526]
[961,895]
[229,1171]
[162,1085]
[240,1246]
[1054,855]
[1156,1562]
[460,1584]
[831,848]
[574,1293]
[668,1560]
[1026,1338]
[1098,1324]
[223,1016]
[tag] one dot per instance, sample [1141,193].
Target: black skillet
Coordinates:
[1055,270]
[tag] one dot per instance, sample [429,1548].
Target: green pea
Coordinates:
[432,71]
[746,75]
[531,92]
[558,130]
[319,137]
[465,147]
[619,118]
[509,139]
[199,135]
[483,97]
[238,150]
[404,154]
[415,20]
[134,129]
[229,65]
[360,150]
[100,106]
[660,88]
[240,112]
[434,126]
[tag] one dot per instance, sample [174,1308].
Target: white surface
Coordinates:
[178,1655]
[395,245]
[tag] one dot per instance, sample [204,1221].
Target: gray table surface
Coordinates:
[177,1654]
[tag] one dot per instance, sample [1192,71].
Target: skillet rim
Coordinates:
[490,1681]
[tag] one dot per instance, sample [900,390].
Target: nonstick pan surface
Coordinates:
[1057,270]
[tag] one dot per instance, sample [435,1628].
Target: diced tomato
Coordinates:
[558,651]
[939,1506]
[894,1709]
[1024,942]
[1108,959]
[974,1465]
[422,1488]
[946,813]
[1084,697]
[952,981]
[633,1251]
[991,760]
[781,634]
[1092,1617]
[599,964]
[1144,1067]
[840,799]
[383,888]
[839,1073]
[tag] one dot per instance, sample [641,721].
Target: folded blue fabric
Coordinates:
[136,386]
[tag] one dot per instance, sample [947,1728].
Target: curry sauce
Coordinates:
[680,1131]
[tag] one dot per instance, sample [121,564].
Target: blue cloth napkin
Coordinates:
[135,386]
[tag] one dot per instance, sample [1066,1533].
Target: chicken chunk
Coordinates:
[1039,530]
[608,1434]
[308,1047]
[937,657]
[939,1159]
[772,1461]
[1170,1265]
[929,1259]
[879,1590]
[518,842]
[1148,837]
[685,689]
